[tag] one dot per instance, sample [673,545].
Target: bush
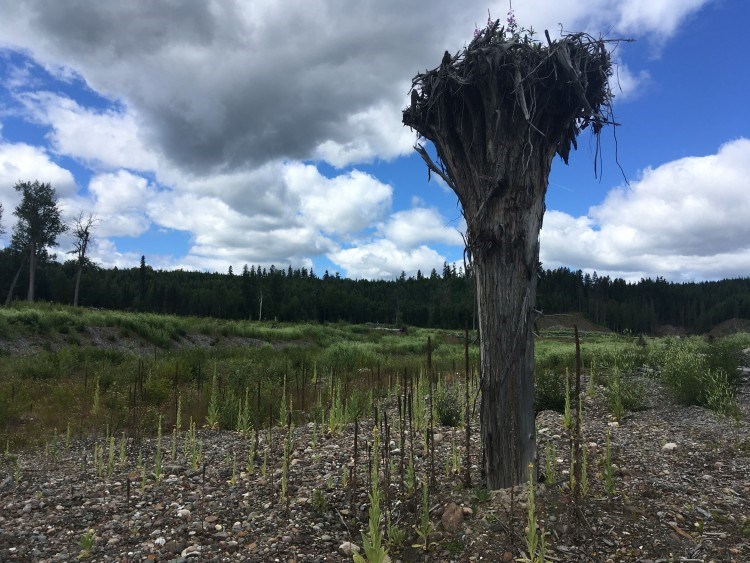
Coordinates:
[700,374]
[448,406]
[549,391]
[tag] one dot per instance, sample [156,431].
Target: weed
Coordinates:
[243,415]
[111,457]
[614,395]
[372,541]
[396,536]
[178,416]
[482,495]
[567,416]
[549,390]
[86,543]
[250,468]
[212,417]
[424,528]
[535,540]
[319,502]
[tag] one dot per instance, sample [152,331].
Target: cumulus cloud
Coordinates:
[685,219]
[110,137]
[223,111]
[399,244]
[224,84]
[420,225]
[343,204]
[382,258]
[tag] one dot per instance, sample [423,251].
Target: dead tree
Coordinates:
[82,227]
[497,112]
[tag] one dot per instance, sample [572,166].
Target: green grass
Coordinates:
[54,384]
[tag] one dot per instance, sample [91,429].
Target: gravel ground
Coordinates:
[682,493]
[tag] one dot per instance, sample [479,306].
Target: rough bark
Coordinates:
[497,113]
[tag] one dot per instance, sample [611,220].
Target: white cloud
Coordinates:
[384,259]
[419,225]
[111,137]
[661,17]
[223,101]
[344,204]
[120,201]
[685,219]
[627,85]
[270,89]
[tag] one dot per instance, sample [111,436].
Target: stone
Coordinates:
[183,513]
[437,438]
[453,518]
[347,549]
[668,447]
[467,510]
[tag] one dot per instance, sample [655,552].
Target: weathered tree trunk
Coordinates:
[506,271]
[78,285]
[497,113]
[32,271]
[9,298]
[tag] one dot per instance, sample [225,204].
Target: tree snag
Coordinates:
[497,112]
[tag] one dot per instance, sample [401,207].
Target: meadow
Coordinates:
[80,371]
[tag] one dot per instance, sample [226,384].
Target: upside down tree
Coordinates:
[497,112]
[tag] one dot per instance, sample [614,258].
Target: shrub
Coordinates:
[549,391]
[699,374]
[448,405]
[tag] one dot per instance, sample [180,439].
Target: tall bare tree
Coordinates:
[39,223]
[82,227]
[497,112]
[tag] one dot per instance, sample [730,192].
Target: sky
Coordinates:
[205,134]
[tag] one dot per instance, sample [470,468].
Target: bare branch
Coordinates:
[432,166]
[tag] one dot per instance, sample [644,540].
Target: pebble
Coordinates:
[668,447]
[347,549]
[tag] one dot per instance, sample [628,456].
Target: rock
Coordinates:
[453,518]
[507,557]
[437,438]
[668,447]
[183,513]
[347,549]
[160,541]
[326,538]
[467,510]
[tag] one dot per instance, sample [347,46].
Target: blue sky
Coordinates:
[231,132]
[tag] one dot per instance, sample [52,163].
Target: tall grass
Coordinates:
[699,372]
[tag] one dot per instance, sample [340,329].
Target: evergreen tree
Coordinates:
[39,223]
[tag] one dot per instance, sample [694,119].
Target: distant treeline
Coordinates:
[437,299]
